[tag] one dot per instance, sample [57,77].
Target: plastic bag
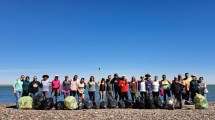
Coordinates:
[47,104]
[71,103]
[59,105]
[25,102]
[200,102]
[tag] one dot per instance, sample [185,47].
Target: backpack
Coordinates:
[103,105]
[59,105]
[128,104]
[150,101]
[121,104]
[25,102]
[47,104]
[158,102]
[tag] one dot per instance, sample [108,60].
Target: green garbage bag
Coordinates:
[71,103]
[25,102]
[200,102]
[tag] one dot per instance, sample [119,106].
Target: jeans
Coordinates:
[133,96]
[45,94]
[155,94]
[34,94]
[102,95]
[143,94]
[193,94]
[116,93]
[18,95]
[166,93]
[55,94]
[66,94]
[123,95]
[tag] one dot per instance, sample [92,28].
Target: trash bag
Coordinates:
[169,104]
[103,105]
[150,101]
[81,106]
[88,104]
[112,103]
[25,102]
[158,102]
[200,102]
[47,104]
[139,103]
[59,105]
[128,104]
[71,103]
[177,104]
[121,104]
[37,102]
[96,105]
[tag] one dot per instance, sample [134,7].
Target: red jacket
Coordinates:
[123,85]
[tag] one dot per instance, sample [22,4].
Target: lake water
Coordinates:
[7,96]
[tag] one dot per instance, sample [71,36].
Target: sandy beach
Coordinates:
[7,112]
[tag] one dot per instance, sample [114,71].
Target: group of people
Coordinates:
[117,87]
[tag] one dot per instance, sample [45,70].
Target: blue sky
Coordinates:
[128,37]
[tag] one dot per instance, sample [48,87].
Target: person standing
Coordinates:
[55,88]
[203,87]
[155,85]
[187,81]
[18,89]
[26,84]
[194,87]
[92,88]
[142,87]
[74,86]
[123,85]
[81,90]
[176,88]
[34,87]
[116,88]
[66,87]
[102,90]
[149,83]
[45,85]
[166,86]
[133,88]
[109,88]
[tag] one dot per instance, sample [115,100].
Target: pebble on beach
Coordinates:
[7,112]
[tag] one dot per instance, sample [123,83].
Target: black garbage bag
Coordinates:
[103,105]
[150,101]
[81,106]
[139,103]
[121,104]
[88,104]
[59,105]
[158,103]
[112,103]
[47,104]
[178,105]
[128,104]
[169,104]
[37,102]
[96,105]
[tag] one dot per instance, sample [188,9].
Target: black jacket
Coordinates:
[34,86]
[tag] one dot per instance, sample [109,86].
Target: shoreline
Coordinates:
[7,112]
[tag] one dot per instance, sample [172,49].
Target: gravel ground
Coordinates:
[7,112]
